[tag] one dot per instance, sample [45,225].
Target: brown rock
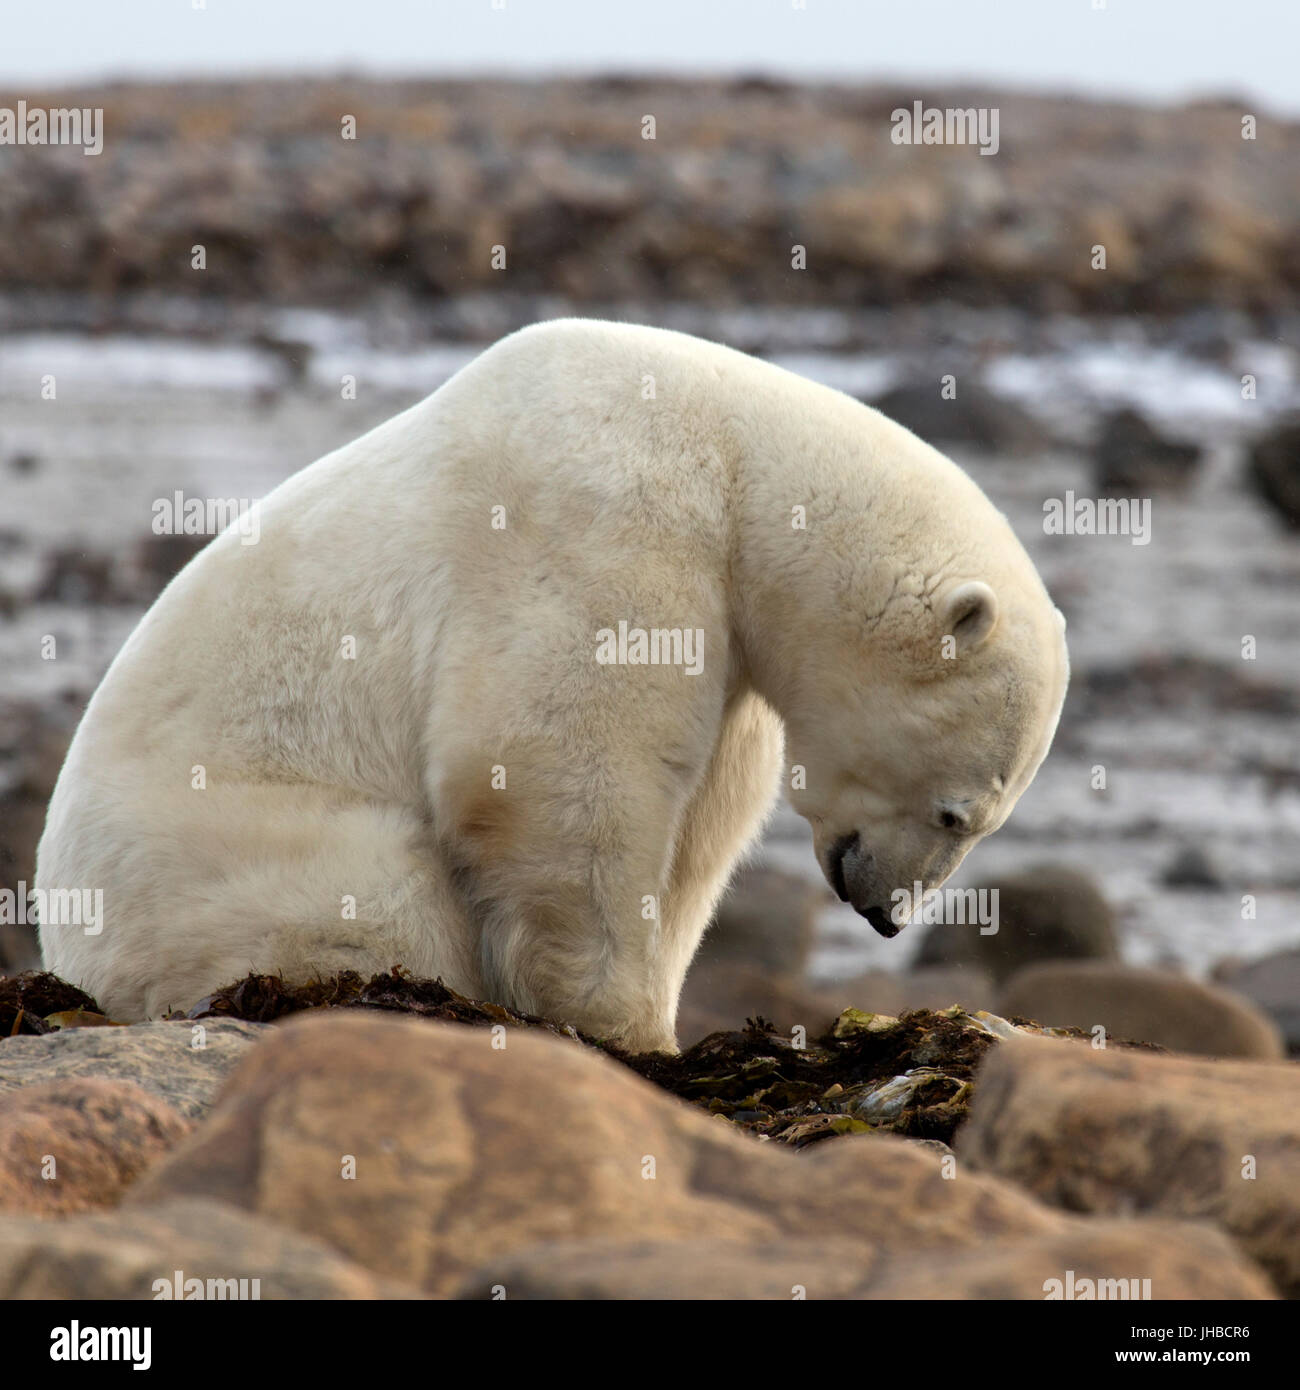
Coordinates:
[1108,1131]
[464,1152]
[76,1145]
[974,417]
[1133,459]
[180,1063]
[1138,1005]
[766,921]
[1274,469]
[1047,912]
[929,987]
[121,1254]
[722,995]
[751,962]
[1181,1261]
[1273,984]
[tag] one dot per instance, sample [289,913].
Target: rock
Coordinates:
[975,417]
[1273,984]
[1180,687]
[720,995]
[120,1254]
[158,1057]
[74,1145]
[1138,1005]
[1126,1132]
[465,1150]
[1274,469]
[1132,459]
[1048,912]
[78,576]
[928,987]
[1202,240]
[766,920]
[1181,1261]
[457,164]
[156,560]
[1192,867]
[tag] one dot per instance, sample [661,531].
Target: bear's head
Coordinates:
[927,726]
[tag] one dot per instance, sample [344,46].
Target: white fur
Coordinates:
[329,780]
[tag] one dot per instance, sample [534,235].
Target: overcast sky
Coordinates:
[1155,50]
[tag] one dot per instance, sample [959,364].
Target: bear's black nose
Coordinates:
[882,921]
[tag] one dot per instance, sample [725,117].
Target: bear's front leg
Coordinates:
[566,893]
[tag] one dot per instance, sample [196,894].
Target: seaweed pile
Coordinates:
[866,1072]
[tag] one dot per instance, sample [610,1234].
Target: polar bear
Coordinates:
[508,685]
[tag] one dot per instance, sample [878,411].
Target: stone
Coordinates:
[1181,1261]
[975,417]
[1047,912]
[1192,867]
[1273,984]
[75,1145]
[721,995]
[126,1253]
[77,575]
[1122,1132]
[766,920]
[1141,1005]
[463,1151]
[926,987]
[1274,469]
[1132,459]
[158,1057]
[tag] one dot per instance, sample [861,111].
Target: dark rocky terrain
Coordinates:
[557,172]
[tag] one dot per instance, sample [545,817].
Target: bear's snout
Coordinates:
[851,872]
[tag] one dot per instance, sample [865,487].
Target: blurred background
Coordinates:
[1166,132]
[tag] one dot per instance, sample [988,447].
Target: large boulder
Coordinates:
[136,1253]
[722,994]
[1192,867]
[1047,912]
[975,417]
[1133,459]
[1107,1259]
[74,1145]
[1274,469]
[181,1063]
[752,960]
[1140,1005]
[432,1153]
[935,987]
[1123,1132]
[765,920]
[1273,984]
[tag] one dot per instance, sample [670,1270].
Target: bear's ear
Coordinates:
[969,613]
